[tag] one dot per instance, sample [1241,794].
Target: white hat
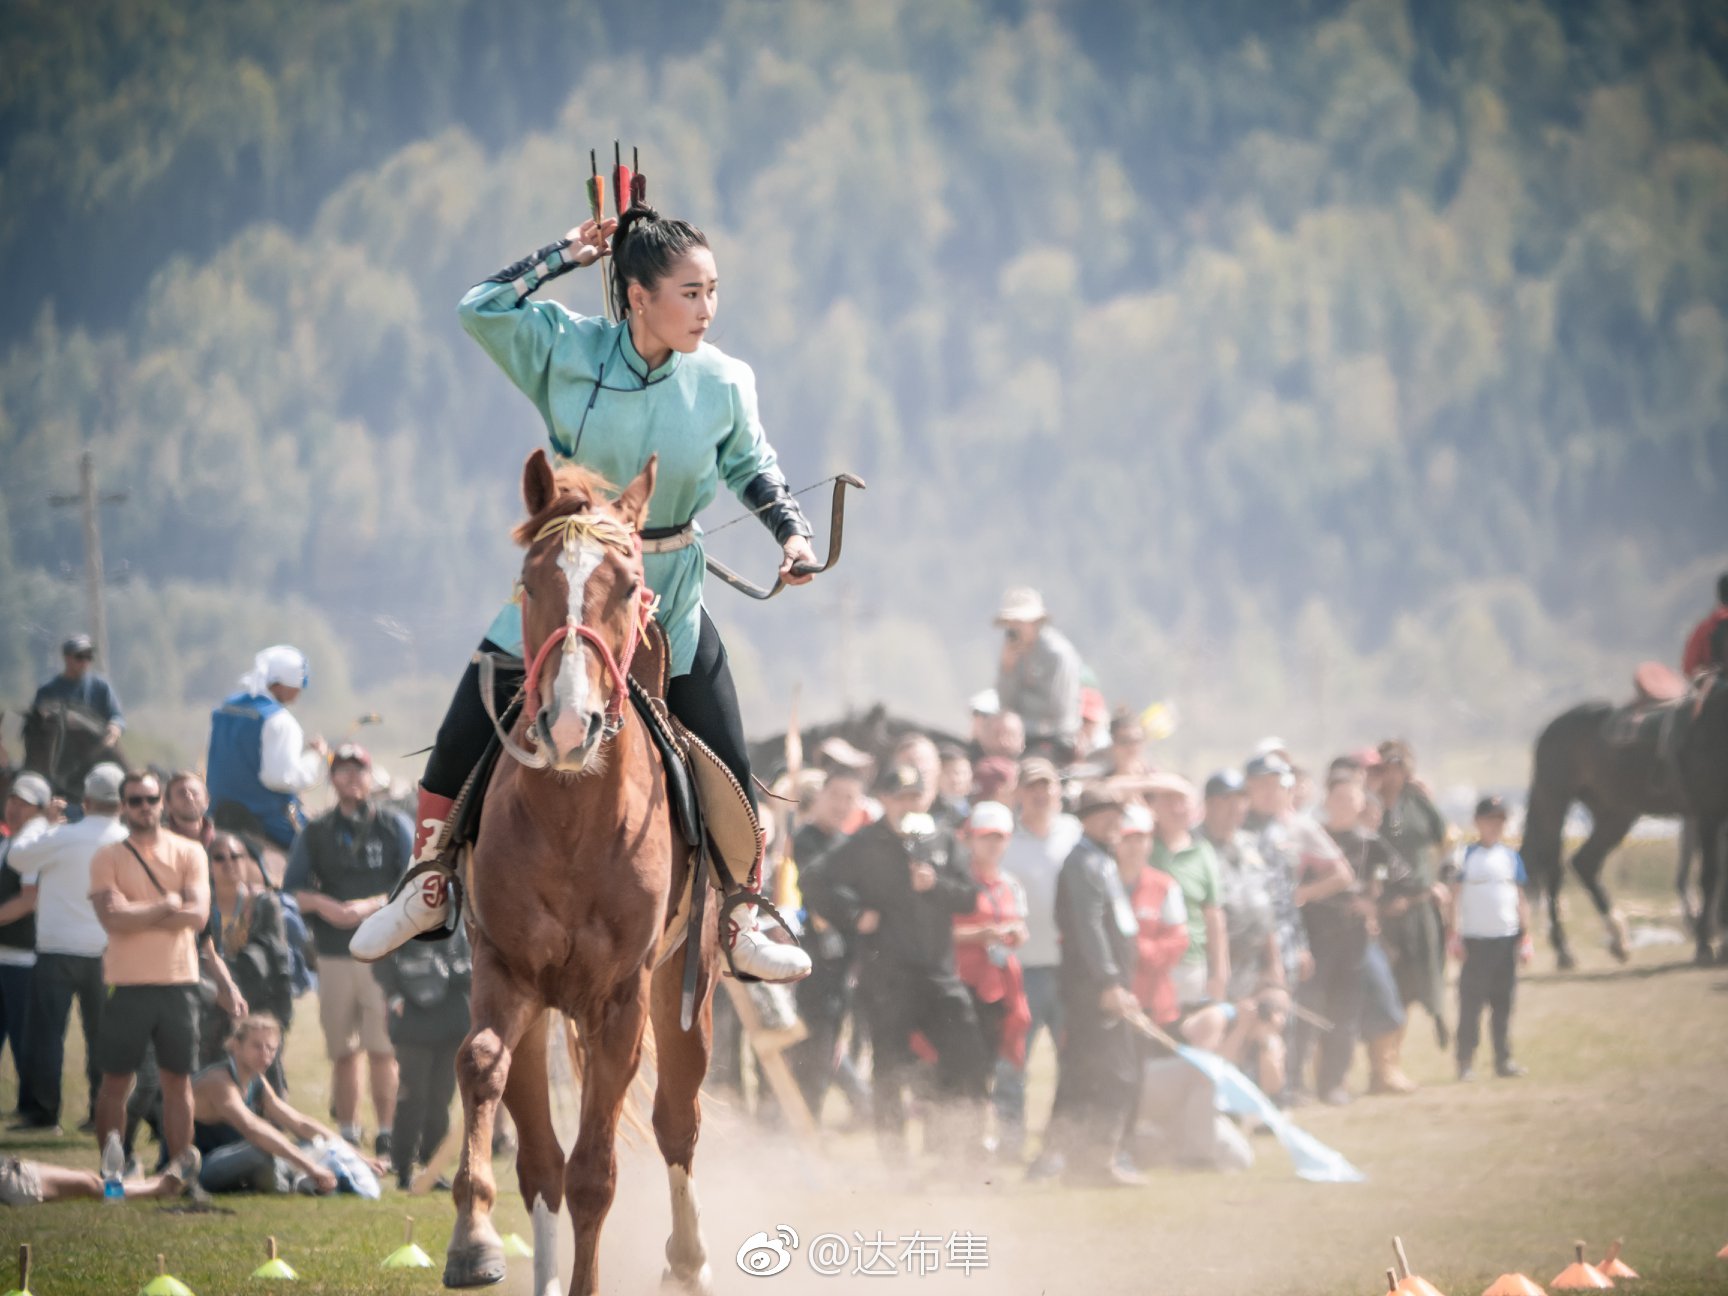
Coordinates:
[990,817]
[987,703]
[102,784]
[1136,818]
[1021,604]
[1267,746]
[32,789]
[280,664]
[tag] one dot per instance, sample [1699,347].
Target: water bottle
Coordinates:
[113,1167]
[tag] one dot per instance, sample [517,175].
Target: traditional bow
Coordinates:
[836,536]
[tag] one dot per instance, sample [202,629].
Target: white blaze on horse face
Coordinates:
[545,1249]
[571,691]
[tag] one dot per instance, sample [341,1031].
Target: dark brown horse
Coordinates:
[1623,763]
[574,880]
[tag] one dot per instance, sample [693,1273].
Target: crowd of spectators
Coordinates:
[1043,885]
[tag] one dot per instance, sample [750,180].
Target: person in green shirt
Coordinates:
[1204,973]
[611,394]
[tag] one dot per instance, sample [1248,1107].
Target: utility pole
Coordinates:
[87,500]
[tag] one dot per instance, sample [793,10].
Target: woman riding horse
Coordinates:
[611,395]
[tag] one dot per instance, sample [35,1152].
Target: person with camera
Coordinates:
[898,884]
[1038,678]
[425,986]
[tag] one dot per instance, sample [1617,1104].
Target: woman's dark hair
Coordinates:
[1722,588]
[644,248]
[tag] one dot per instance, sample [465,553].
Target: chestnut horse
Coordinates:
[572,886]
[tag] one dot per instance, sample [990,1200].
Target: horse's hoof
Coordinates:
[700,1283]
[1565,962]
[480,1265]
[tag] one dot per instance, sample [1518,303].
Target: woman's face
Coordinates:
[227,862]
[679,309]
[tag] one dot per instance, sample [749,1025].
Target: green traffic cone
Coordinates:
[274,1267]
[408,1255]
[23,1288]
[164,1283]
[515,1246]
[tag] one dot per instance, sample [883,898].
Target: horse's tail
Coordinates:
[1555,770]
[639,1097]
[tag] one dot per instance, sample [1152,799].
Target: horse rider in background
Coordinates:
[260,760]
[79,685]
[1707,645]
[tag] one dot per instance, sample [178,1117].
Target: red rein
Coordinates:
[617,668]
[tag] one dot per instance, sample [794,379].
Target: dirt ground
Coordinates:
[1618,1132]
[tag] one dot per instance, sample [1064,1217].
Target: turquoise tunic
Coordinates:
[697,412]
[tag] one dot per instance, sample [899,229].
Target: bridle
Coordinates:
[574,530]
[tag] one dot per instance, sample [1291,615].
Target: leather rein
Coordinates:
[573,530]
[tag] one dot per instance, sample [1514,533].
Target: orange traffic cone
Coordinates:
[1580,1275]
[1514,1284]
[1408,1283]
[1613,1266]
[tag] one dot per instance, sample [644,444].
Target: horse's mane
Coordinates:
[576,490]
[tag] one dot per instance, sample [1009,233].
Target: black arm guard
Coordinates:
[527,263]
[768,498]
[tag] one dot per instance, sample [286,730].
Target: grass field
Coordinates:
[1620,1131]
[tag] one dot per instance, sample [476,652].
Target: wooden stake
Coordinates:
[407,1229]
[1403,1260]
[23,1266]
[270,1248]
[1391,1280]
[161,1265]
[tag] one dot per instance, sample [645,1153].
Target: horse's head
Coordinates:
[583,604]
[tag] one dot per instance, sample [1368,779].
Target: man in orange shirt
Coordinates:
[151,893]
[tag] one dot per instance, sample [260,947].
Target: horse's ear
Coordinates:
[633,503]
[539,488]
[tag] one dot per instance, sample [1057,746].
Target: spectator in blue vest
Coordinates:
[260,760]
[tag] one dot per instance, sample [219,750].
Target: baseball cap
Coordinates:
[1226,782]
[1270,764]
[987,703]
[1169,783]
[1036,769]
[78,645]
[1271,747]
[1021,604]
[32,789]
[990,817]
[1099,796]
[351,754]
[102,784]
[838,751]
[1491,806]
[1136,818]
[900,780]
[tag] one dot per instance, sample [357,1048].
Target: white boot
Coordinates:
[422,906]
[755,953]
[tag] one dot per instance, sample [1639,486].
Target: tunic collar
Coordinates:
[637,365]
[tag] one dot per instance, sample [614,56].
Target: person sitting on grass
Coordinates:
[251,1139]
[30,1183]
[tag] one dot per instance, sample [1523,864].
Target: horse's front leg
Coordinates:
[1609,830]
[1714,885]
[1556,932]
[539,1157]
[500,1012]
[611,1043]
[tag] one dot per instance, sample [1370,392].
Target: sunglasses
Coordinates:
[223,856]
[144,800]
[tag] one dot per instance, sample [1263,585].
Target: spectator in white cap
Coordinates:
[260,760]
[55,872]
[28,809]
[986,706]
[986,939]
[1039,676]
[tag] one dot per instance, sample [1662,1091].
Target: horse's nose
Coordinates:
[575,732]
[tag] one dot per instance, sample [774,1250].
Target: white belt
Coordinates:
[683,538]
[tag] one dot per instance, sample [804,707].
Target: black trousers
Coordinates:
[428,1080]
[1488,979]
[1097,1085]
[58,980]
[824,999]
[705,700]
[899,1000]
